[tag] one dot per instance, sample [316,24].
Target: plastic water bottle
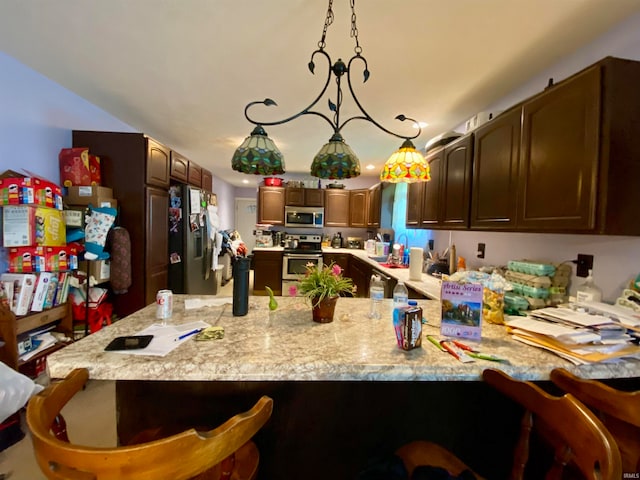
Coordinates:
[400,296]
[376,293]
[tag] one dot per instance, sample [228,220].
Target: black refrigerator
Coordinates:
[191,248]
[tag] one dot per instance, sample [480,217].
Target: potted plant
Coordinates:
[322,286]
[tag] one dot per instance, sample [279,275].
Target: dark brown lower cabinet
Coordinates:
[267,272]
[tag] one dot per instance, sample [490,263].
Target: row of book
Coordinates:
[25,293]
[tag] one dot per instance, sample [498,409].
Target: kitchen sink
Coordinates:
[380,259]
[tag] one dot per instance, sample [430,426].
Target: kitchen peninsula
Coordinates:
[343,391]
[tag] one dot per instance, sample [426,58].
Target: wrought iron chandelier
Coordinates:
[259,155]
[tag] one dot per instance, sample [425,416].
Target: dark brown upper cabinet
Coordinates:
[374,205]
[179,167]
[207,180]
[271,205]
[455,184]
[336,208]
[495,172]
[304,197]
[358,208]
[195,174]
[579,153]
[443,202]
[560,155]
[158,159]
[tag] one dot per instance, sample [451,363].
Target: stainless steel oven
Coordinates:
[300,250]
[294,264]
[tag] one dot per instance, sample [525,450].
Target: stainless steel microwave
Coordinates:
[304,217]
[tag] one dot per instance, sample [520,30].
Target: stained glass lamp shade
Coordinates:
[258,155]
[335,160]
[406,165]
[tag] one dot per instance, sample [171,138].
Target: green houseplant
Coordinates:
[322,286]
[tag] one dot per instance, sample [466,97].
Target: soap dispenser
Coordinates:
[588,291]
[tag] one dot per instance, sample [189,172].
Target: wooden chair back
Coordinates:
[180,456]
[577,435]
[618,410]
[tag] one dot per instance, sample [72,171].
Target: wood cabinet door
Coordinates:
[360,273]
[374,204]
[341,259]
[414,203]
[207,180]
[267,271]
[430,198]
[455,187]
[271,205]
[195,174]
[156,242]
[358,207]
[158,160]
[496,155]
[294,196]
[313,197]
[336,208]
[179,167]
[559,156]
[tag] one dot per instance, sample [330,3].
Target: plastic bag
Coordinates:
[15,390]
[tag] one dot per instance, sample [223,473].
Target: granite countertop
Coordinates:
[286,345]
[427,285]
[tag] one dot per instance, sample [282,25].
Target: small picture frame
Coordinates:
[461,305]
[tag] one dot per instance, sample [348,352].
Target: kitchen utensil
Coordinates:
[336,242]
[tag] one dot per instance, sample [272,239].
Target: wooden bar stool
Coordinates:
[618,410]
[577,436]
[225,452]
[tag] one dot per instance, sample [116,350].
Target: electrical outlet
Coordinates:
[584,264]
[480,250]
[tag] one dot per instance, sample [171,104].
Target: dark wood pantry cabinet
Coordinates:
[137,168]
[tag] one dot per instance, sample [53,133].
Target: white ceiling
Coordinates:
[183,71]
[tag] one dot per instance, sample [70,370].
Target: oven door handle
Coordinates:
[303,255]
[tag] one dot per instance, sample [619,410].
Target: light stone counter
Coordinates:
[287,345]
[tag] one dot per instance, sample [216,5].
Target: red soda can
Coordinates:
[164,305]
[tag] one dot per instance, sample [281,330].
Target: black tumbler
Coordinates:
[241,268]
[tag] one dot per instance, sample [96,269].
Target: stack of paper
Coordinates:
[576,335]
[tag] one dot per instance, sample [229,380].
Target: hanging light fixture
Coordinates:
[335,160]
[258,155]
[406,165]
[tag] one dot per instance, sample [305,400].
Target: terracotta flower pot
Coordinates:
[323,311]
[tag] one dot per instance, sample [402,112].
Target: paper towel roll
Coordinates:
[415,263]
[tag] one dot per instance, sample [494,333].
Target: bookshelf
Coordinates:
[11,327]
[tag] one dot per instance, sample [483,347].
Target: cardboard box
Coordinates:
[19,189]
[89,195]
[25,260]
[98,269]
[74,217]
[26,225]
[59,259]
[74,166]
